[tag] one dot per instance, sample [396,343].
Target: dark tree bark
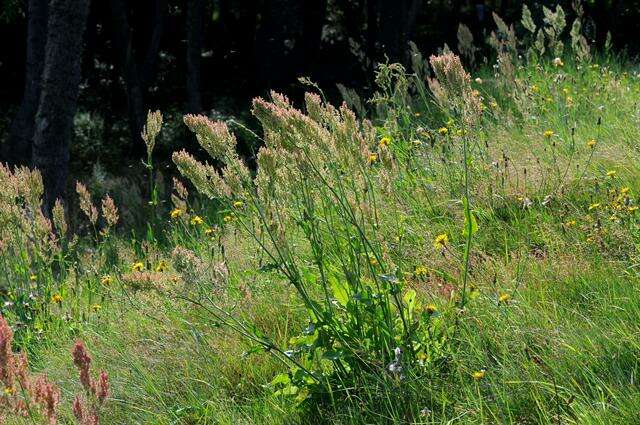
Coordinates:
[122,42]
[19,146]
[194,12]
[147,73]
[60,87]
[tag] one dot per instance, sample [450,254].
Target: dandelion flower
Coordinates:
[373,261]
[548,134]
[431,308]
[209,232]
[238,204]
[493,104]
[106,280]
[441,241]
[504,298]
[227,218]
[611,173]
[96,307]
[420,271]
[196,220]
[443,131]
[373,158]
[33,278]
[478,375]
[137,266]
[56,298]
[632,209]
[591,143]
[535,89]
[162,266]
[570,223]
[175,213]
[594,206]
[385,141]
[624,190]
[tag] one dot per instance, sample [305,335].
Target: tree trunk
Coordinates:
[60,87]
[195,10]
[147,73]
[123,45]
[19,145]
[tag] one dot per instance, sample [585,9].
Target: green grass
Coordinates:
[562,348]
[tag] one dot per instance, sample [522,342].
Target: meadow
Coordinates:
[460,248]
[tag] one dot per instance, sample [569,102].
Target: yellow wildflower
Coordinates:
[624,190]
[478,375]
[196,220]
[56,298]
[209,232]
[570,223]
[431,308]
[175,213]
[504,298]
[385,141]
[493,104]
[8,391]
[137,266]
[373,157]
[420,271]
[373,261]
[162,266]
[96,307]
[441,241]
[33,278]
[632,209]
[594,206]
[548,134]
[227,218]
[591,143]
[106,280]
[238,204]
[443,131]
[535,89]
[611,173]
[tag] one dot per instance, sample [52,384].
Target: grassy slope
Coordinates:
[564,348]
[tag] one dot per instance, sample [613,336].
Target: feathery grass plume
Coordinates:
[504,40]
[452,87]
[579,43]
[151,130]
[109,211]
[86,205]
[203,176]
[214,137]
[556,23]
[465,44]
[58,217]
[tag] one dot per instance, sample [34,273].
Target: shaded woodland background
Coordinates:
[212,57]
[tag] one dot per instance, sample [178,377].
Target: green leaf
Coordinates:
[409,299]
[470,222]
[340,291]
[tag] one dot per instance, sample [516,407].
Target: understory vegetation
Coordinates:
[460,248]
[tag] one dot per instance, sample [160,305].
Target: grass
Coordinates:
[546,332]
